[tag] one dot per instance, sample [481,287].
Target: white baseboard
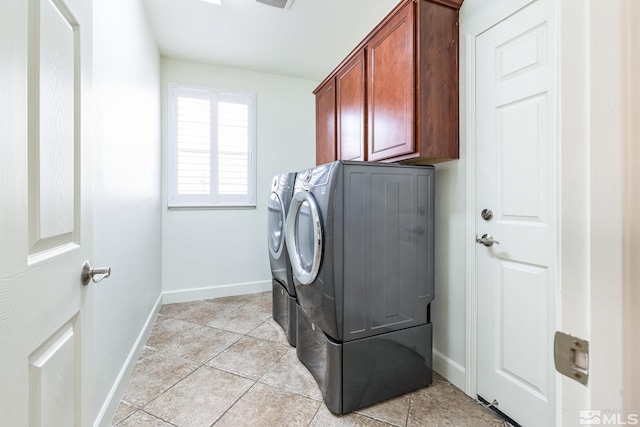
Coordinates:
[210,292]
[110,405]
[450,370]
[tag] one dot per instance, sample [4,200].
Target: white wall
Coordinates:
[448,311]
[215,252]
[127,213]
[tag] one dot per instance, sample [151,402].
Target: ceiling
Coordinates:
[304,41]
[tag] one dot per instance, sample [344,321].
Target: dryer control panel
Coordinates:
[313,177]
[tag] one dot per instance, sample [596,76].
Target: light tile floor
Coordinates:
[226,362]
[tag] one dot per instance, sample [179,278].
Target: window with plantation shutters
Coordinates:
[211,148]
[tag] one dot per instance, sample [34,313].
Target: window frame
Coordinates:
[213,200]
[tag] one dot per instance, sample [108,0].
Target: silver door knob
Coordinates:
[90,273]
[487,240]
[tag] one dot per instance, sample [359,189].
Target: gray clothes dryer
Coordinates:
[283,289]
[361,243]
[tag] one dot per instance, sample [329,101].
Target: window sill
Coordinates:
[209,207]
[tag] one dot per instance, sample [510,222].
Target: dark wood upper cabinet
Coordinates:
[455,4]
[390,88]
[437,119]
[326,122]
[396,94]
[350,101]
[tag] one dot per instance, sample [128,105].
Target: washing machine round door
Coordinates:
[304,237]
[275,225]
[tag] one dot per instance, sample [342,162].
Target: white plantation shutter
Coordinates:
[233,147]
[212,148]
[193,145]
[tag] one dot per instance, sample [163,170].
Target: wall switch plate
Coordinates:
[571,356]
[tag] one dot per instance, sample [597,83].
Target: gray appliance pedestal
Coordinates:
[284,310]
[360,373]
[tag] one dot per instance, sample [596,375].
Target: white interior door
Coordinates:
[516,179]
[45,62]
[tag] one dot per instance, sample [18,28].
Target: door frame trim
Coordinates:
[632,209]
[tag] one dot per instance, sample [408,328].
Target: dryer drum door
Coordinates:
[304,237]
[275,225]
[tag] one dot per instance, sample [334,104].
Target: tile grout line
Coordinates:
[315,414]
[406,420]
[233,404]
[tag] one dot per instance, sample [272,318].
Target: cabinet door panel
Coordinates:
[326,123]
[391,88]
[350,97]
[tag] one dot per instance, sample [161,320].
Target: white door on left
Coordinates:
[45,202]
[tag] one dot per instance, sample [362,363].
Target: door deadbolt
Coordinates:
[486,214]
